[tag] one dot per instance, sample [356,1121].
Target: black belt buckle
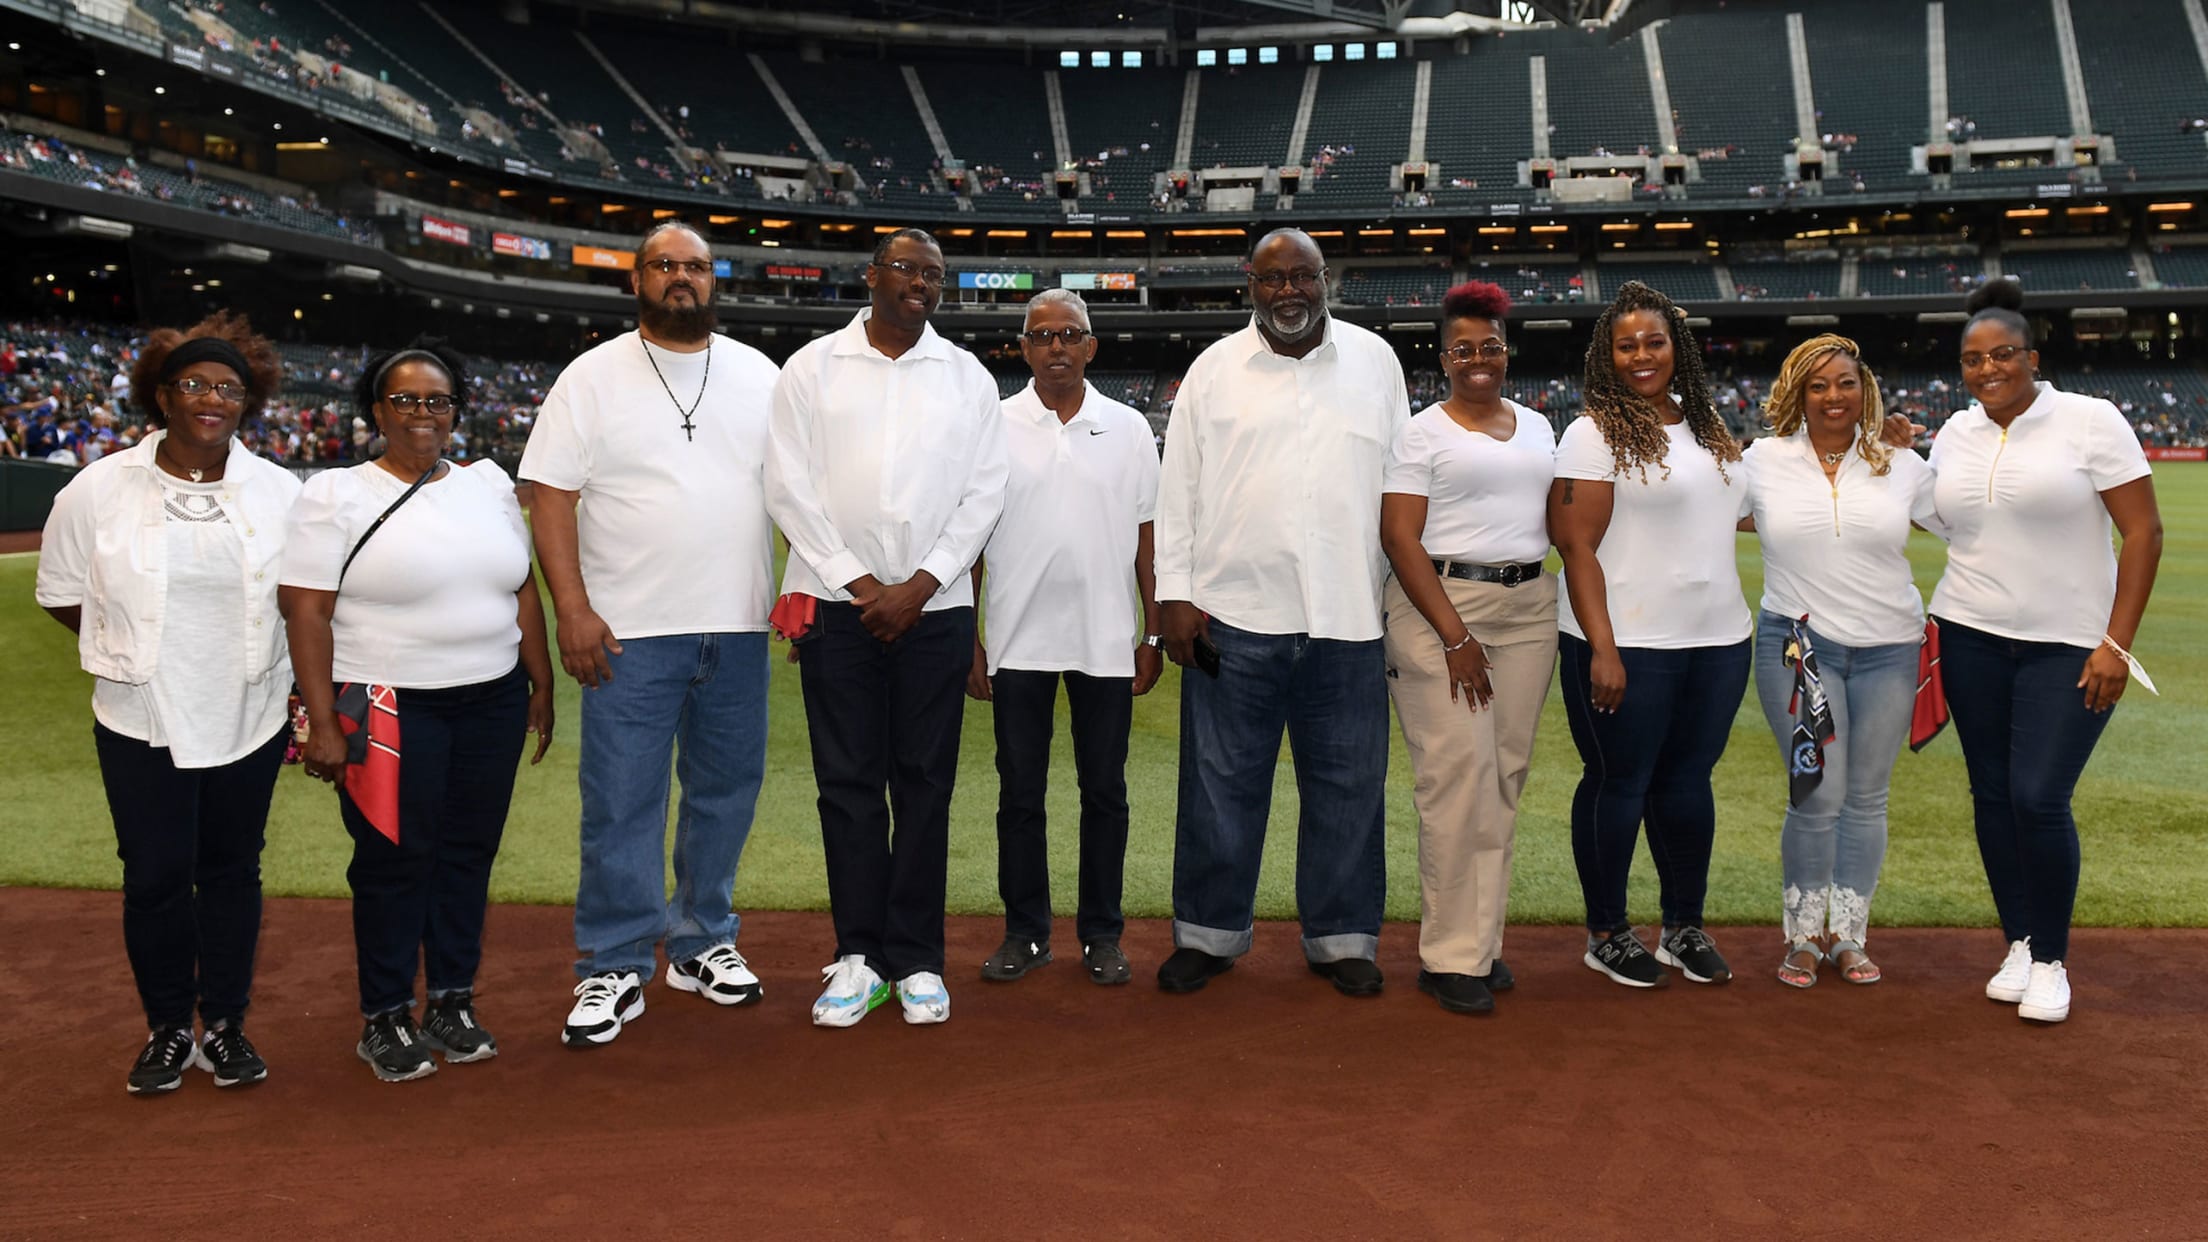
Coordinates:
[1512,575]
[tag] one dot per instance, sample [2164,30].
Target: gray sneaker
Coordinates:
[1107,965]
[1014,958]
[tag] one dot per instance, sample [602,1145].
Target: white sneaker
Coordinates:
[2047,996]
[924,997]
[604,1002]
[719,974]
[853,992]
[2008,983]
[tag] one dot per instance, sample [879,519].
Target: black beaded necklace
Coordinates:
[688,427]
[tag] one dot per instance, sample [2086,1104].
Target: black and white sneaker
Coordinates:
[393,1047]
[160,1066]
[604,1002]
[1014,958]
[719,974]
[449,1026]
[1690,949]
[1620,956]
[226,1053]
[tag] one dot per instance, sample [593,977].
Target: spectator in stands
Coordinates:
[160,559]
[1269,571]
[1836,640]
[1655,645]
[1470,638]
[2035,612]
[413,611]
[1068,572]
[886,472]
[630,463]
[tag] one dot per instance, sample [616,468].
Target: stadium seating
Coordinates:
[1244,115]
[729,111]
[1681,282]
[1534,281]
[2182,267]
[862,112]
[1598,93]
[2067,271]
[1360,127]
[437,57]
[1122,123]
[1731,90]
[999,121]
[59,161]
[1394,286]
[1479,124]
[1867,70]
[551,63]
[1911,277]
[2141,69]
[1993,47]
[1781,279]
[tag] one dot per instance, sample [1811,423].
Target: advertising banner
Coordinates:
[996,280]
[521,247]
[2177,454]
[792,271]
[444,231]
[1097,280]
[611,260]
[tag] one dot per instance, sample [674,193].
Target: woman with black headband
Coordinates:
[419,641]
[162,559]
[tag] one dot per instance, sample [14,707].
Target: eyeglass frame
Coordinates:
[1276,281]
[665,266]
[178,385]
[1999,355]
[910,272]
[404,402]
[1070,337]
[1465,351]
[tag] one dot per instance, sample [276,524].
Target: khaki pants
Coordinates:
[1470,766]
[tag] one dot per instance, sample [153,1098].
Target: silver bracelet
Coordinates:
[1459,645]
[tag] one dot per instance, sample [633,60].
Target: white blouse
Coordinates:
[1837,550]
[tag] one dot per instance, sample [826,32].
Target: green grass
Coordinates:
[2142,805]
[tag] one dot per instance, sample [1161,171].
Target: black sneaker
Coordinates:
[1352,976]
[449,1026]
[393,1047]
[160,1066]
[1107,965]
[1189,969]
[1690,949]
[1014,958]
[229,1055]
[1620,956]
[1457,993]
[1498,977]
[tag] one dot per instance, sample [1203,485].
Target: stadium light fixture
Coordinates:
[2025,213]
[1509,230]
[2096,209]
[1670,226]
[15,47]
[99,73]
[1072,233]
[275,124]
[883,230]
[1322,233]
[714,219]
[1011,233]
[1622,226]
[1125,234]
[1427,232]
[958,233]
[664,213]
[160,90]
[774,224]
[2164,207]
[1550,228]
[1376,232]
[1220,233]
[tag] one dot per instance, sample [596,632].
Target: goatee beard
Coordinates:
[687,326]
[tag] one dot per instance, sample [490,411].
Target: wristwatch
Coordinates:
[1154,641]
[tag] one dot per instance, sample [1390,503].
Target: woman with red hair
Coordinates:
[1470,638]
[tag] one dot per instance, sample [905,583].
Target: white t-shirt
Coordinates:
[1838,549]
[2030,556]
[430,601]
[1061,564]
[1487,500]
[1668,556]
[672,528]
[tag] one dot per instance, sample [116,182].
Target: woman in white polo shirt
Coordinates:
[1470,638]
[2036,612]
[1832,507]
[1655,646]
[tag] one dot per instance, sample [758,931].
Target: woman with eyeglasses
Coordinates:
[162,558]
[2036,613]
[419,642]
[1470,637]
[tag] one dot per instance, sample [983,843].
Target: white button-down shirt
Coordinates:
[884,466]
[1269,505]
[1061,565]
[1837,550]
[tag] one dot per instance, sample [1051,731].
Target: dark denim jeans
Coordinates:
[1024,704]
[1332,699]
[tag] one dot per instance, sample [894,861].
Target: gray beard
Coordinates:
[1311,324]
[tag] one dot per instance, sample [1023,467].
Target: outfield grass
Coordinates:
[2142,806]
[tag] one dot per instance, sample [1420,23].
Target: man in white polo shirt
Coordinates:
[1069,581]
[649,448]
[1269,571]
[885,471]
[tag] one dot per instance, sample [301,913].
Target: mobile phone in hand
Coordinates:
[1207,656]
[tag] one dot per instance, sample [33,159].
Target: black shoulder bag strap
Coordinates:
[377,525]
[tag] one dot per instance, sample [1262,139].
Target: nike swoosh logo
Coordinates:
[1096,433]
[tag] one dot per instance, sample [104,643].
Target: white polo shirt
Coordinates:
[1487,500]
[1061,566]
[2030,556]
[672,528]
[1269,497]
[1838,549]
[884,466]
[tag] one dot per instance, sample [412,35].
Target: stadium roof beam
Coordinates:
[1383,18]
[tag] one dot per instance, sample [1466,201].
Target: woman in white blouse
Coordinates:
[1832,507]
[162,560]
[407,580]
[2036,613]
[1470,638]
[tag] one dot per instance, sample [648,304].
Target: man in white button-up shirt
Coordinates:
[885,470]
[1269,571]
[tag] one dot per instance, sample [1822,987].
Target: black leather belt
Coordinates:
[1508,575]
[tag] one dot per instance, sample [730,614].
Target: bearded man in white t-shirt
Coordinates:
[648,447]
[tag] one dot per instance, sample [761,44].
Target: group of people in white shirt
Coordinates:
[1257,556]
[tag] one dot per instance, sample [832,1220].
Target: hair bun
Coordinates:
[2003,294]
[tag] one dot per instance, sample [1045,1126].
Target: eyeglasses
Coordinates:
[438,404]
[1999,357]
[228,391]
[688,267]
[1300,278]
[932,276]
[1490,351]
[1041,338]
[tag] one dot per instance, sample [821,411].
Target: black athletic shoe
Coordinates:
[1690,949]
[1498,977]
[1457,993]
[1014,958]
[160,1066]
[393,1047]
[1107,965]
[1352,976]
[229,1055]
[449,1026]
[1620,956]
[1190,969]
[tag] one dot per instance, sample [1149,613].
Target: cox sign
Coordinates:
[996,280]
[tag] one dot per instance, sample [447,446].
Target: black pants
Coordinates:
[190,841]
[422,897]
[886,716]
[1102,709]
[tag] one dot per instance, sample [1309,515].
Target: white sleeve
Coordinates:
[981,503]
[1582,453]
[318,539]
[1747,482]
[557,454]
[1173,540]
[65,548]
[1146,475]
[2112,454]
[1409,472]
[792,499]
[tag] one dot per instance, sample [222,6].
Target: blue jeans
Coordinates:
[699,700]
[1331,697]
[1651,760]
[2026,736]
[1831,846]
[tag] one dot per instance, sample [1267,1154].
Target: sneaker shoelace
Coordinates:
[227,1045]
[171,1051]
[842,977]
[598,991]
[1692,940]
[721,957]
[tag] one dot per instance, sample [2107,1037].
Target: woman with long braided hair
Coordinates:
[1655,633]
